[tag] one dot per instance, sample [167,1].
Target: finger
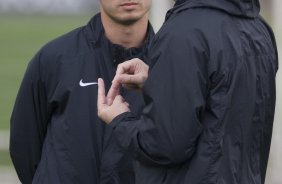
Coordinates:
[126,67]
[113,92]
[101,98]
[136,65]
[122,68]
[129,79]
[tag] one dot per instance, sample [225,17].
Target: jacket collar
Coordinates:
[94,29]
[94,32]
[121,54]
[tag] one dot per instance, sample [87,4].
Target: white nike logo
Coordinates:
[82,84]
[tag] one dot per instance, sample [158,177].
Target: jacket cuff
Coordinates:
[122,117]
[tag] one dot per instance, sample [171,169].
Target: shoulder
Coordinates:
[64,44]
[208,29]
[76,42]
[195,20]
[49,58]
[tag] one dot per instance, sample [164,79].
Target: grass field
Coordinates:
[20,39]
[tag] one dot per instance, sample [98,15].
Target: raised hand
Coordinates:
[130,74]
[108,112]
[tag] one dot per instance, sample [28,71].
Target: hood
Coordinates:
[243,8]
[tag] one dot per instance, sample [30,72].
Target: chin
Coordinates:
[129,20]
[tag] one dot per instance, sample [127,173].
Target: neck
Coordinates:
[128,36]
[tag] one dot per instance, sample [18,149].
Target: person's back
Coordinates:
[240,106]
[235,55]
[209,117]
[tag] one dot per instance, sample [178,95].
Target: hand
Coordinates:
[108,112]
[131,74]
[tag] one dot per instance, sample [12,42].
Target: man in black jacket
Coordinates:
[210,97]
[56,136]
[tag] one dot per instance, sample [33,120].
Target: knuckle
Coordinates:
[143,77]
[119,97]
[146,67]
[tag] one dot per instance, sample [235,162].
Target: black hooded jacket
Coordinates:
[56,136]
[210,97]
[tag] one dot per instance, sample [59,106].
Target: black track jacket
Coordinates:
[210,97]
[56,136]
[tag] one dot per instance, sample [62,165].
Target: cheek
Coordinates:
[108,7]
[147,5]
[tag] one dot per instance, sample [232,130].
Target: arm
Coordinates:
[175,93]
[28,123]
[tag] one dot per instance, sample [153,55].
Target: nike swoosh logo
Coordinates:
[82,84]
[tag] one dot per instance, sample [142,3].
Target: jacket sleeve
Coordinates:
[167,132]
[28,123]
